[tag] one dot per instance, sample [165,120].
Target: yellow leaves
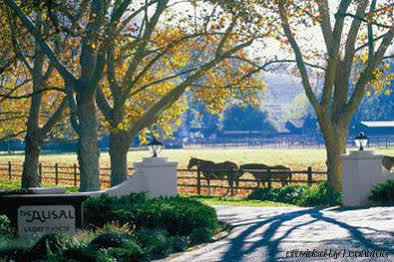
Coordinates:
[387,92]
[4,20]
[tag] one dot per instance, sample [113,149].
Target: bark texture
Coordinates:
[88,151]
[30,176]
[118,148]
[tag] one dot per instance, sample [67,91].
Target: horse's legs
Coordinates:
[209,186]
[237,184]
[229,181]
[258,181]
[284,182]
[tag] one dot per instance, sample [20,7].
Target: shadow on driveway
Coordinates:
[239,246]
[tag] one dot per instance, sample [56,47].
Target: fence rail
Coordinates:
[292,141]
[187,179]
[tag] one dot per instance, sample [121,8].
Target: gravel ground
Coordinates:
[277,233]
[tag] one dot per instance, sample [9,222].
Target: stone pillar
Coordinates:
[159,176]
[361,171]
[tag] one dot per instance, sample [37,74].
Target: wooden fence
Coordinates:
[305,177]
[59,174]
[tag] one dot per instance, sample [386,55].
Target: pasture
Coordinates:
[296,159]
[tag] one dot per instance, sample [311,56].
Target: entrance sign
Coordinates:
[39,214]
[39,220]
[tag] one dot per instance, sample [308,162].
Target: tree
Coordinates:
[336,106]
[80,66]
[351,31]
[120,39]
[247,119]
[148,74]
[27,80]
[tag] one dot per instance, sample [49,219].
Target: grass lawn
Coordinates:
[296,159]
[235,201]
[5,184]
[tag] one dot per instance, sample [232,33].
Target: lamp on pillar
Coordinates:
[361,141]
[155,147]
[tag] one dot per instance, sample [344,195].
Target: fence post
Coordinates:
[40,173]
[9,170]
[56,174]
[309,176]
[232,182]
[75,174]
[269,177]
[198,181]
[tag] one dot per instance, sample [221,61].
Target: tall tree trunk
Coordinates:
[335,139]
[30,176]
[88,151]
[118,147]
[33,139]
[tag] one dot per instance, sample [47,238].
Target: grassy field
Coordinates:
[296,159]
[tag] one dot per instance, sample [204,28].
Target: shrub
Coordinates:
[130,251]
[134,228]
[13,254]
[154,242]
[177,215]
[6,230]
[179,243]
[52,244]
[106,240]
[98,211]
[76,254]
[383,193]
[318,195]
[288,194]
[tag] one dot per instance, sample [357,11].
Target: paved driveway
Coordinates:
[280,233]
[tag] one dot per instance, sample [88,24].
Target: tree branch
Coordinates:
[55,118]
[28,24]
[143,43]
[154,112]
[299,58]
[103,104]
[366,75]
[365,20]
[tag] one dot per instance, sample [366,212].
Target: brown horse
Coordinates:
[259,171]
[211,170]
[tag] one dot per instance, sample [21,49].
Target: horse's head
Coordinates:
[192,162]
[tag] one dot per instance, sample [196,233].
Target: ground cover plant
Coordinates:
[383,194]
[130,228]
[317,195]
[236,201]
